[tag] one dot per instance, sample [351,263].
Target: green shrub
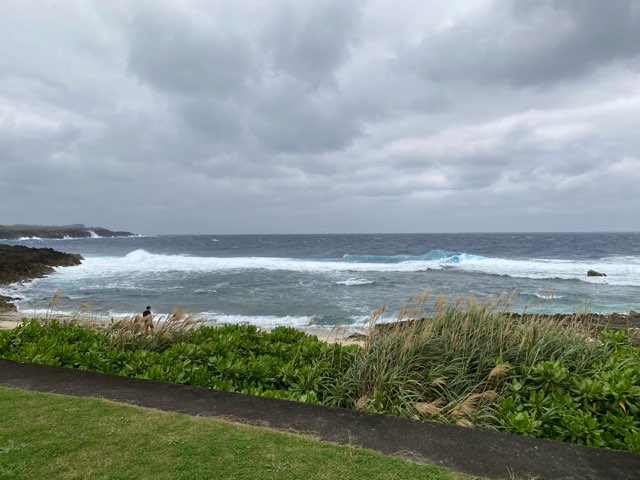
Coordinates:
[594,403]
[283,363]
[473,366]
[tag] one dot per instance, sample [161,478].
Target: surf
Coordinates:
[620,271]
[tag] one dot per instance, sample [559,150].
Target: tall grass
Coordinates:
[468,363]
[454,365]
[136,331]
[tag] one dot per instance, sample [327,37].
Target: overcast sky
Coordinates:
[291,116]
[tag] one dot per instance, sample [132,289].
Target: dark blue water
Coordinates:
[338,279]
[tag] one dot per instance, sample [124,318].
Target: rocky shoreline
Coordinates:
[593,322]
[15,232]
[19,264]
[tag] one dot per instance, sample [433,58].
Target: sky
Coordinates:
[343,116]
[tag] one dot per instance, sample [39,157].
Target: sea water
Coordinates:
[330,280]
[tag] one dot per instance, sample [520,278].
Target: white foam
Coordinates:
[547,295]
[204,291]
[620,273]
[93,234]
[8,290]
[141,263]
[266,321]
[628,259]
[354,281]
[138,263]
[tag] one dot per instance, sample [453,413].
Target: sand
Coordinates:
[9,319]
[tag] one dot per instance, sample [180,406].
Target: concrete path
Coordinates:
[489,454]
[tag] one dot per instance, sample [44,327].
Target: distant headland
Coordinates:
[15,232]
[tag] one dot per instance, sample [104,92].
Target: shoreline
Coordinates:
[344,334]
[335,334]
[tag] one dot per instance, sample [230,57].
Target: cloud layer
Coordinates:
[333,116]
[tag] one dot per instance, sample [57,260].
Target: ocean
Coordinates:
[329,280]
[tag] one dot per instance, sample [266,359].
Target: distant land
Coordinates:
[15,232]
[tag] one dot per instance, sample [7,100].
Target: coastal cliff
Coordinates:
[19,263]
[14,232]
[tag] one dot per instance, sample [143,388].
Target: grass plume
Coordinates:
[455,363]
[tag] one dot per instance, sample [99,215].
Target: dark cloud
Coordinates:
[285,115]
[291,119]
[310,41]
[531,43]
[168,49]
[274,87]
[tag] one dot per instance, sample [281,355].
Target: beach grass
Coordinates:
[467,363]
[455,364]
[47,436]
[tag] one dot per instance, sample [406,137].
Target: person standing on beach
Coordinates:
[148,320]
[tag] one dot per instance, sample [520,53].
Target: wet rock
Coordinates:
[593,273]
[6,304]
[357,337]
[19,263]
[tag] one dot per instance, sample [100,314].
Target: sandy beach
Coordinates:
[6,323]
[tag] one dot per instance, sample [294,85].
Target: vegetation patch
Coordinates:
[473,365]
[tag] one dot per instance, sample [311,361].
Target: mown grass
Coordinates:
[46,436]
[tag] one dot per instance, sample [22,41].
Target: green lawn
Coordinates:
[45,436]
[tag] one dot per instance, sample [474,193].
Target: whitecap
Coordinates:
[265,321]
[545,295]
[354,281]
[140,263]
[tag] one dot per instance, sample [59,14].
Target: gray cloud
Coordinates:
[308,116]
[310,42]
[530,43]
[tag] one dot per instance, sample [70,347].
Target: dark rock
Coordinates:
[6,304]
[593,273]
[592,322]
[616,318]
[13,232]
[19,263]
[357,336]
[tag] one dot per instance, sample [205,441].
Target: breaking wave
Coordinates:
[620,271]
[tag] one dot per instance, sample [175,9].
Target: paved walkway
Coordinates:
[489,454]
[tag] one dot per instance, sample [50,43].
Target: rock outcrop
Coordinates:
[593,273]
[18,263]
[14,232]
[593,322]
